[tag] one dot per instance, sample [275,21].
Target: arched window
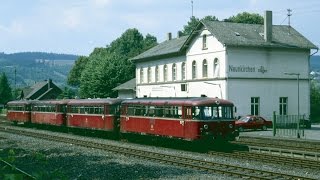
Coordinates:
[174,72]
[141,75]
[165,73]
[149,75]
[157,74]
[194,70]
[204,42]
[216,67]
[183,71]
[204,68]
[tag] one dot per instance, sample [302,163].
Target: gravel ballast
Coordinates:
[46,159]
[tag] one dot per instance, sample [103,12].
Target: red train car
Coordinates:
[19,111]
[50,112]
[98,114]
[198,118]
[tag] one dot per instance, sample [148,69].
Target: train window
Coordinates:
[130,110]
[151,111]
[227,112]
[159,111]
[205,112]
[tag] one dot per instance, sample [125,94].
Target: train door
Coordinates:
[187,120]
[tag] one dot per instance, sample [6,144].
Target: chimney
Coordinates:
[268,26]
[169,36]
[179,34]
[49,83]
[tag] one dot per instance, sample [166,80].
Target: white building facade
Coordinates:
[238,62]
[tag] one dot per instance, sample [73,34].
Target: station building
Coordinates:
[258,67]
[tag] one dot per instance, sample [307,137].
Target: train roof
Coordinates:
[49,102]
[187,101]
[109,101]
[20,102]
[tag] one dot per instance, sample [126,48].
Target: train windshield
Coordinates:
[212,112]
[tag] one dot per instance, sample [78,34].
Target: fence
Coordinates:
[288,126]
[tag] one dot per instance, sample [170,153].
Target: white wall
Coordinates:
[243,73]
[269,91]
[271,84]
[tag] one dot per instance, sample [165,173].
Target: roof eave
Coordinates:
[173,54]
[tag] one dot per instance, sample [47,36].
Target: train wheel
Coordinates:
[241,129]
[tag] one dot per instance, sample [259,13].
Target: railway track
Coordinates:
[275,159]
[9,171]
[288,148]
[312,146]
[203,165]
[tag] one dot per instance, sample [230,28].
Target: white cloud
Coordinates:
[253,2]
[100,3]
[14,28]
[72,18]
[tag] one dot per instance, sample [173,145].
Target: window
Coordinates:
[255,103]
[165,73]
[174,72]
[283,105]
[183,71]
[216,67]
[204,42]
[149,75]
[204,69]
[194,70]
[184,87]
[157,74]
[212,112]
[141,75]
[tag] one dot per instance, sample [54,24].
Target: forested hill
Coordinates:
[30,56]
[27,68]
[315,63]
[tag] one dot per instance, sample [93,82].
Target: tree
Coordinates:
[75,73]
[193,22]
[5,90]
[315,102]
[110,66]
[245,17]
[67,93]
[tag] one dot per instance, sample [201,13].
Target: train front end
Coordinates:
[215,121]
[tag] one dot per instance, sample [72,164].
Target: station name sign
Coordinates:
[243,68]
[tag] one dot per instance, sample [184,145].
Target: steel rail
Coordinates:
[203,165]
[275,159]
[12,167]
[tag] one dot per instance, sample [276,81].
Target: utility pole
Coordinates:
[289,14]
[191,8]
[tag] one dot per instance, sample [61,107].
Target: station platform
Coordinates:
[312,134]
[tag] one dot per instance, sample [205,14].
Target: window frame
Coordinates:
[255,106]
[174,72]
[204,68]
[165,73]
[149,75]
[204,42]
[283,105]
[183,71]
[194,69]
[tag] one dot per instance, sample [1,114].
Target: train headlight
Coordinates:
[230,126]
[205,126]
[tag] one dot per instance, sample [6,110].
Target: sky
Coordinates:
[78,26]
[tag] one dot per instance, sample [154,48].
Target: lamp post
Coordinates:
[298,78]
[217,85]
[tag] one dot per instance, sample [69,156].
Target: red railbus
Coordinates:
[50,112]
[191,119]
[98,114]
[19,111]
